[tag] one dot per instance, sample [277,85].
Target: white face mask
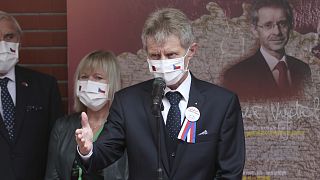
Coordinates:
[93,95]
[9,56]
[171,70]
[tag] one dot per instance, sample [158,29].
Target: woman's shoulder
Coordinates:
[68,120]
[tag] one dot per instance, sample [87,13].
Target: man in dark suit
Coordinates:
[201,127]
[29,104]
[269,73]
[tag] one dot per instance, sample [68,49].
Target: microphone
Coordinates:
[157,94]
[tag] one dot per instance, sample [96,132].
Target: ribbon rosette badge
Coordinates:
[188,130]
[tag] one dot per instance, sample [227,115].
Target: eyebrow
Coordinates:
[9,34]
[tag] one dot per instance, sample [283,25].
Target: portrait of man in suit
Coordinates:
[30,103]
[201,128]
[270,72]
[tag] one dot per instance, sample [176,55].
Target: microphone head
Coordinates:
[158,87]
[159,81]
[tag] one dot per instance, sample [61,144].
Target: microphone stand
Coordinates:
[156,111]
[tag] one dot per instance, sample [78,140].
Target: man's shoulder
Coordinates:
[245,64]
[210,88]
[142,86]
[32,74]
[296,61]
[68,120]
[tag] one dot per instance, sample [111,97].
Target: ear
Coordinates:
[254,30]
[192,50]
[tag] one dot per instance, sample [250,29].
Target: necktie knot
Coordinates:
[174,97]
[281,66]
[4,82]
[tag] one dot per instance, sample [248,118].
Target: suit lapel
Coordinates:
[264,72]
[153,126]
[297,74]
[21,100]
[196,99]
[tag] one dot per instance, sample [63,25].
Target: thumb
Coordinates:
[84,120]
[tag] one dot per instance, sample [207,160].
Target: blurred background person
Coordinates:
[30,103]
[97,78]
[270,73]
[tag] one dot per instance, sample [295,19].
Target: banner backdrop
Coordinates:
[282,134]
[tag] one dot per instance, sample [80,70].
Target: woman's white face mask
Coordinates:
[9,56]
[171,70]
[93,95]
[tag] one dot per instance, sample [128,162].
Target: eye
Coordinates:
[268,26]
[83,77]
[283,24]
[154,56]
[99,78]
[9,37]
[172,55]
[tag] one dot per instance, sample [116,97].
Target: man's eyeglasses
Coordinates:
[269,26]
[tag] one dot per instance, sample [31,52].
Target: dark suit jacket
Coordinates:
[252,78]
[219,153]
[38,104]
[62,151]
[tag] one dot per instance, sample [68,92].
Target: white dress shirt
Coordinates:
[184,90]
[272,62]
[11,87]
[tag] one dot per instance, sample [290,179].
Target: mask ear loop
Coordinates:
[186,68]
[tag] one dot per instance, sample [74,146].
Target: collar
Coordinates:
[183,89]
[10,75]
[271,61]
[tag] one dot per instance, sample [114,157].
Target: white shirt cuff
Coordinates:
[85,158]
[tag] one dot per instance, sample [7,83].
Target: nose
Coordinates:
[276,29]
[91,78]
[163,56]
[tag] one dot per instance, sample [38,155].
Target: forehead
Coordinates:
[171,43]
[271,14]
[7,26]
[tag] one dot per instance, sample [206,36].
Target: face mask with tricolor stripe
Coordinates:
[171,70]
[93,95]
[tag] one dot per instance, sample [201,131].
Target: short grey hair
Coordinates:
[165,22]
[104,60]
[6,16]
[283,4]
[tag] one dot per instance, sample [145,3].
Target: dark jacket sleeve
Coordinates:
[110,145]
[231,152]
[53,150]
[55,103]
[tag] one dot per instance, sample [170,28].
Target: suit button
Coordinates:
[173,154]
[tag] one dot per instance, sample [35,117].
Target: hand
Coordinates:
[84,136]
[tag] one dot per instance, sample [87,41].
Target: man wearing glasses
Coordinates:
[270,72]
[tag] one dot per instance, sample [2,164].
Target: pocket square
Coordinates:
[33,108]
[205,132]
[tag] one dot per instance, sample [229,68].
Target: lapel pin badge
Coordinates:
[24,84]
[188,129]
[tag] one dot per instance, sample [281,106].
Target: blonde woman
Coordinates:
[97,78]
